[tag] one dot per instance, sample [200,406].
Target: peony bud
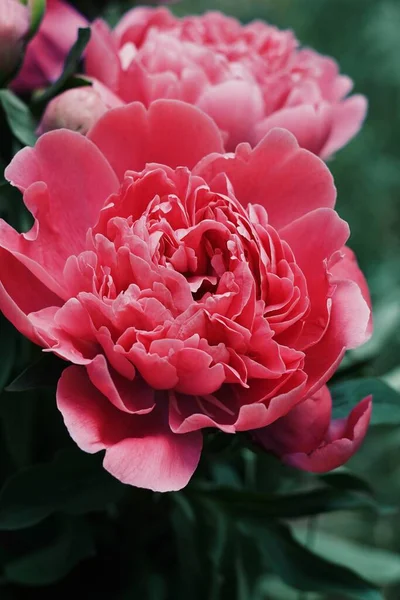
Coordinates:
[78,108]
[46,52]
[14,25]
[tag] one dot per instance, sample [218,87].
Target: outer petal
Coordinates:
[348,328]
[305,438]
[285,179]
[15,302]
[159,460]
[135,24]
[312,251]
[348,116]
[101,57]
[310,127]
[66,181]
[170,132]
[238,118]
[347,268]
[337,447]
[140,450]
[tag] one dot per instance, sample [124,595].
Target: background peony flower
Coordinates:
[248,78]
[46,52]
[14,25]
[190,289]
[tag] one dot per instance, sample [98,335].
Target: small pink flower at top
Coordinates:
[47,51]
[248,78]
[14,26]
[189,289]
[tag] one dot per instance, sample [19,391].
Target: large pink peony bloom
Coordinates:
[249,78]
[190,288]
[47,51]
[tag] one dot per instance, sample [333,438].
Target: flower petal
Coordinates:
[141,450]
[66,181]
[286,180]
[170,132]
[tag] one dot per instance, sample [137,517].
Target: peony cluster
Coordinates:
[188,287]
[249,79]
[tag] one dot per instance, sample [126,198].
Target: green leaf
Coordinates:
[287,506]
[44,372]
[346,481]
[70,68]
[51,563]
[37,9]
[19,118]
[74,483]
[18,427]
[386,401]
[303,569]
[380,566]
[7,350]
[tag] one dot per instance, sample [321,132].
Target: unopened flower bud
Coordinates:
[78,109]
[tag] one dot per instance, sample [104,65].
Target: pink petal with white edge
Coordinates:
[170,132]
[140,450]
[348,116]
[286,180]
[66,181]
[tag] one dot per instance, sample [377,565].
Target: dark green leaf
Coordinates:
[17,427]
[74,483]
[386,401]
[51,563]
[19,118]
[45,372]
[70,68]
[287,506]
[303,569]
[37,10]
[346,481]
[7,350]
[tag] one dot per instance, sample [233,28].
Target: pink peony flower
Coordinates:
[249,78]
[190,288]
[14,26]
[308,439]
[47,51]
